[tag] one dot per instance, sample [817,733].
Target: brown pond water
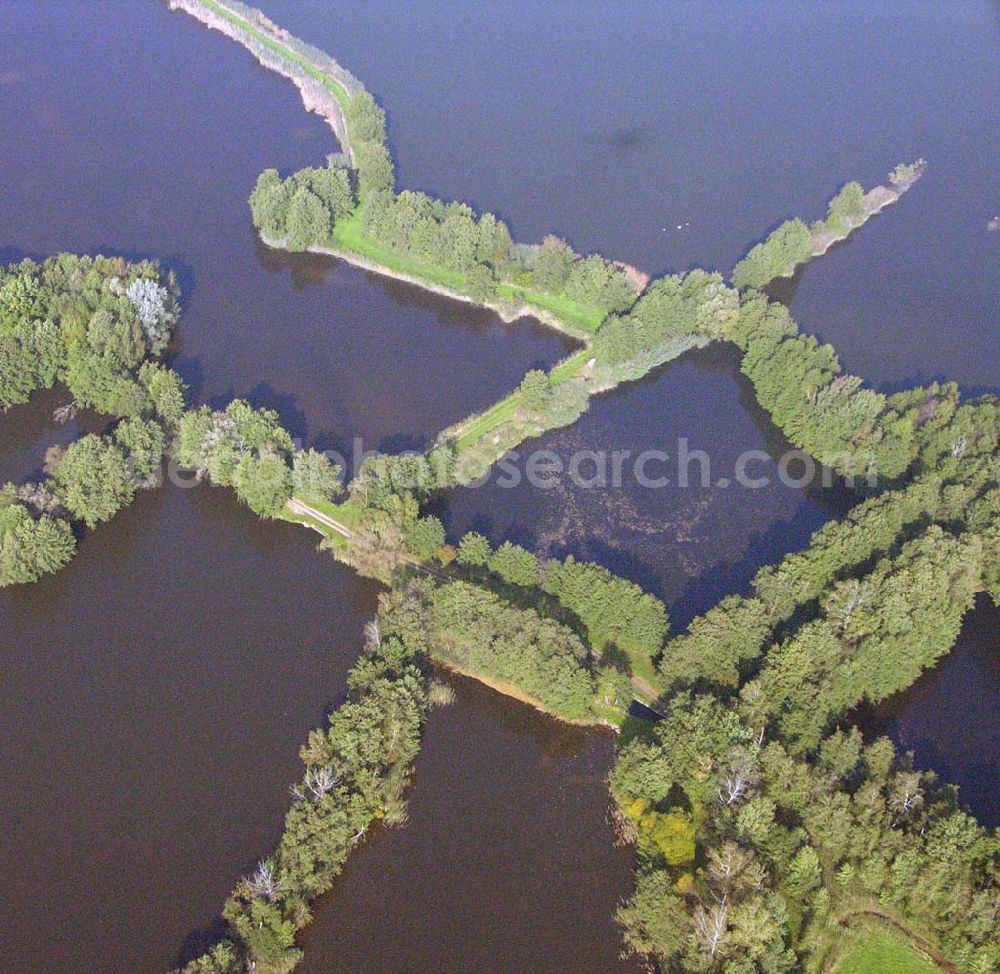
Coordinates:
[153,699]
[507,863]
[154,695]
[28,431]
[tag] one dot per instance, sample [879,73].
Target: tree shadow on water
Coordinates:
[735,576]
[618,560]
[306,270]
[404,443]
[14,255]
[285,404]
[189,368]
[200,941]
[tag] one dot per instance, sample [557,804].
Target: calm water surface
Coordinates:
[613,123]
[675,135]
[28,431]
[153,697]
[691,545]
[146,140]
[155,693]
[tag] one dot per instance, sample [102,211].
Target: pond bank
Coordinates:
[507,312]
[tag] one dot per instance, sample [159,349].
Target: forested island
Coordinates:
[769,837]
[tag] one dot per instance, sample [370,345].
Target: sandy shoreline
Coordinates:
[875,201]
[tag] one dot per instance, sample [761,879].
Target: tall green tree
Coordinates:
[93,480]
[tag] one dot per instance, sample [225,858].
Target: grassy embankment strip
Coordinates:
[348,235]
[507,408]
[572,312]
[349,512]
[644,668]
[489,421]
[570,367]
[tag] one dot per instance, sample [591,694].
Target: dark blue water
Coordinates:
[684,528]
[146,139]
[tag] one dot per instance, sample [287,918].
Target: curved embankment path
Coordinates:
[324,84]
[646,693]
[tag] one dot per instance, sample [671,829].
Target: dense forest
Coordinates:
[249,450]
[478,632]
[96,326]
[757,859]
[618,617]
[830,415]
[951,503]
[767,834]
